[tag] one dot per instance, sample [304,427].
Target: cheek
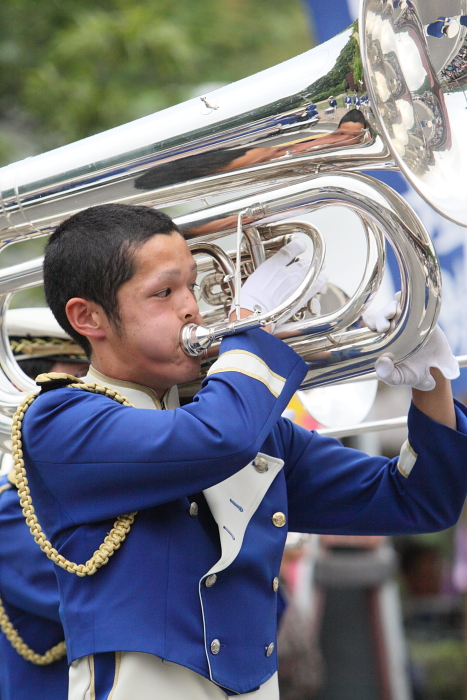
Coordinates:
[162,333]
[154,330]
[163,324]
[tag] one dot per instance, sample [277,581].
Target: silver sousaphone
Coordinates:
[258,156]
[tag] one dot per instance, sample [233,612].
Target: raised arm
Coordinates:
[428,371]
[437,404]
[335,489]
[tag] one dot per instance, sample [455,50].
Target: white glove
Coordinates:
[380,319]
[415,371]
[277,278]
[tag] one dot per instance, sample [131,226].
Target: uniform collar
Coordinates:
[138,395]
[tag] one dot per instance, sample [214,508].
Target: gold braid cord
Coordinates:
[53,654]
[123,523]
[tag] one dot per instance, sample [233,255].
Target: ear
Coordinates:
[87,318]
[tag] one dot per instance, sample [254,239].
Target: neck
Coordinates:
[115,369]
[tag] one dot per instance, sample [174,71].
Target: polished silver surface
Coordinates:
[340,404]
[336,405]
[25,275]
[417,86]
[332,351]
[217,288]
[14,384]
[363,428]
[196,339]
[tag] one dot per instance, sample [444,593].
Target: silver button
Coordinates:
[193,509]
[210,581]
[275,583]
[279,519]
[270,649]
[261,465]
[216,646]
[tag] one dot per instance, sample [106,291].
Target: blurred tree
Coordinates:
[71,69]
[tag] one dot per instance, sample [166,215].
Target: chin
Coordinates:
[189,371]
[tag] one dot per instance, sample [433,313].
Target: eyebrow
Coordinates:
[175,272]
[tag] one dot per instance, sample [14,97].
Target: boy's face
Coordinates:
[154,306]
[351,128]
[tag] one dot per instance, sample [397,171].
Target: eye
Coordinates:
[164,293]
[195,290]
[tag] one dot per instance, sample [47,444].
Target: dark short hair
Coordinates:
[91,255]
[354,115]
[32,367]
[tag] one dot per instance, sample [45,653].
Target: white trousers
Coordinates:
[142,676]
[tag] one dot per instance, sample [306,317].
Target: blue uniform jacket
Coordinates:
[28,589]
[436,28]
[180,582]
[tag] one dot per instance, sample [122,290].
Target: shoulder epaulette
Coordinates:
[55,380]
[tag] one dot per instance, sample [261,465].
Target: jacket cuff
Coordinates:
[426,436]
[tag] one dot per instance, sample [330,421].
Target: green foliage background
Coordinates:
[335,82]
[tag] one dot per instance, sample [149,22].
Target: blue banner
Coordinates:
[450,240]
[328,18]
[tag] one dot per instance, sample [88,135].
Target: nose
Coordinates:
[190,308]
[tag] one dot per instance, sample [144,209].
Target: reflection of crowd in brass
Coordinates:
[436,122]
[427,130]
[456,70]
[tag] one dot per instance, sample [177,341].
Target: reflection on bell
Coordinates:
[339,405]
[415,74]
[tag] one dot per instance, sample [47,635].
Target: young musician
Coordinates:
[186,607]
